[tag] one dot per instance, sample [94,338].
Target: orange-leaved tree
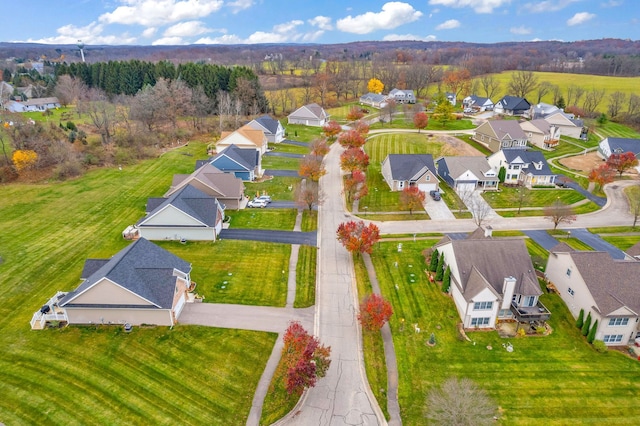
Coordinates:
[331,130]
[375,86]
[319,147]
[355,113]
[602,175]
[351,139]
[375,311]
[411,198]
[357,237]
[362,127]
[622,162]
[311,167]
[354,159]
[355,186]
[24,159]
[420,120]
[304,358]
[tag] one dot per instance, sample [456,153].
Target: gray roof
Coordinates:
[246,158]
[476,164]
[269,123]
[510,128]
[410,166]
[373,97]
[514,103]
[212,180]
[478,100]
[612,283]
[541,124]
[620,145]
[142,268]
[530,159]
[192,202]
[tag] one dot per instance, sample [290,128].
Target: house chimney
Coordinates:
[488,231]
[508,287]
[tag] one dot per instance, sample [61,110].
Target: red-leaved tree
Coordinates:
[351,139]
[304,357]
[357,237]
[375,311]
[411,198]
[601,175]
[362,127]
[311,168]
[331,130]
[319,147]
[355,113]
[354,159]
[622,162]
[421,120]
[355,186]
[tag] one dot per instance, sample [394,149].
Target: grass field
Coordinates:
[278,219]
[279,188]
[89,375]
[280,163]
[507,197]
[556,380]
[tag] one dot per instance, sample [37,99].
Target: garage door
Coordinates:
[426,187]
[466,187]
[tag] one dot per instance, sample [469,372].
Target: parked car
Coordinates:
[266,198]
[435,195]
[468,110]
[257,203]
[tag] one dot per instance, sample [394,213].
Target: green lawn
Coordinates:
[89,375]
[309,220]
[298,132]
[280,163]
[306,277]
[507,197]
[556,380]
[289,148]
[279,188]
[622,242]
[394,217]
[278,219]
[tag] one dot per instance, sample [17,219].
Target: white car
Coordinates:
[257,203]
[265,198]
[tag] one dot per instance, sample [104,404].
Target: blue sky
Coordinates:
[178,22]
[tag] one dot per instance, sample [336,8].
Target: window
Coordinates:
[614,322]
[475,322]
[482,306]
[529,301]
[427,178]
[612,338]
[568,272]
[570,291]
[400,184]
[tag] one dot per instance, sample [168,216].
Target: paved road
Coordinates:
[287,237]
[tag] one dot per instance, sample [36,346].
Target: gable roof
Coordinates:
[313,109]
[612,283]
[529,158]
[269,124]
[142,268]
[478,100]
[226,185]
[373,97]
[40,101]
[246,158]
[507,129]
[540,125]
[409,166]
[475,164]
[562,118]
[255,136]
[620,145]
[191,201]
[514,103]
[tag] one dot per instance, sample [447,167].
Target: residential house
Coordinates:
[141,284]
[245,137]
[501,134]
[492,280]
[309,115]
[272,128]
[244,163]
[609,146]
[187,214]
[374,100]
[34,104]
[606,288]
[541,133]
[568,125]
[225,187]
[528,168]
[477,103]
[542,110]
[512,105]
[406,170]
[451,97]
[467,173]
[402,96]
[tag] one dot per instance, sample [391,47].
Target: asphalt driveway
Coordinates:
[286,237]
[282,173]
[597,243]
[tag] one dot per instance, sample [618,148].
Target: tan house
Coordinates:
[568,125]
[142,284]
[245,137]
[541,133]
[501,134]
[225,187]
[309,115]
[606,288]
[406,170]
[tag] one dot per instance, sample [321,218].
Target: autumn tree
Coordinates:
[361,127]
[622,162]
[311,168]
[351,139]
[355,113]
[421,120]
[304,357]
[558,213]
[331,130]
[68,89]
[375,86]
[457,81]
[319,147]
[443,110]
[307,194]
[355,186]
[375,311]
[357,237]
[601,175]
[354,159]
[522,82]
[101,112]
[616,101]
[459,402]
[24,159]
[411,198]
[388,110]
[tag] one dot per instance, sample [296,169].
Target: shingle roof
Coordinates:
[504,128]
[476,164]
[245,157]
[407,166]
[269,123]
[191,201]
[530,158]
[143,268]
[225,185]
[373,97]
[620,145]
[317,110]
[514,103]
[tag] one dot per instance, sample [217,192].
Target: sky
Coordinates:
[183,22]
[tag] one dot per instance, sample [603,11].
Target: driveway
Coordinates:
[478,206]
[286,237]
[282,173]
[597,243]
[297,143]
[600,201]
[283,154]
[543,238]
[437,210]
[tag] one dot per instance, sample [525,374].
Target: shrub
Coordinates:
[446,280]
[580,320]
[71,126]
[433,266]
[592,333]
[440,268]
[432,339]
[68,169]
[587,325]
[599,346]
[8,174]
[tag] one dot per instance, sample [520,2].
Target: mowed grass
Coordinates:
[279,188]
[508,197]
[298,132]
[275,162]
[306,277]
[254,218]
[84,375]
[554,380]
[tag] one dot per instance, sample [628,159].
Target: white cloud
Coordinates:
[479,6]
[225,39]
[612,3]
[159,12]
[548,5]
[580,18]
[322,22]
[89,34]
[186,29]
[149,32]
[169,41]
[238,5]
[312,36]
[287,26]
[521,30]
[449,25]
[281,33]
[400,37]
[393,15]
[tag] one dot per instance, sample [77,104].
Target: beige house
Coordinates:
[406,170]
[142,284]
[598,284]
[541,133]
[501,134]
[309,115]
[245,137]
[568,125]
[225,187]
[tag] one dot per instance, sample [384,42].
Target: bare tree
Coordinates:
[633,106]
[633,195]
[464,198]
[521,195]
[459,403]
[592,99]
[574,94]
[490,85]
[388,110]
[101,112]
[616,100]
[543,88]
[308,194]
[202,106]
[557,93]
[480,210]
[68,89]
[523,82]
[224,107]
[558,213]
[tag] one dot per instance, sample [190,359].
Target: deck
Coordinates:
[532,313]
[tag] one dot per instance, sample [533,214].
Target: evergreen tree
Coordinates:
[587,324]
[580,320]
[592,333]
[446,280]
[502,173]
[561,103]
[433,266]
[440,268]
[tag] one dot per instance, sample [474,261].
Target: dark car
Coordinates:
[435,195]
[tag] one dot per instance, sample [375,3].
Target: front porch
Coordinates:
[50,313]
